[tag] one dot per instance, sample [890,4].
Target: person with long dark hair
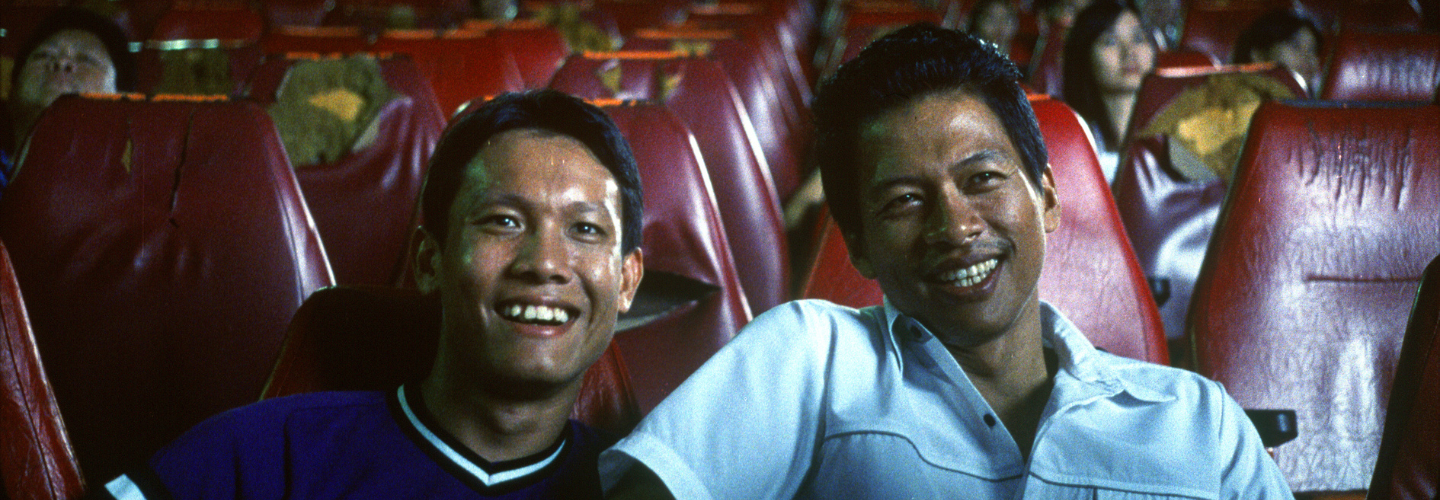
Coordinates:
[1107,54]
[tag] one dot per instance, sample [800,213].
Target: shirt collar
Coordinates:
[1079,359]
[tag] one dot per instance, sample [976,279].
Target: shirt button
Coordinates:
[989,420]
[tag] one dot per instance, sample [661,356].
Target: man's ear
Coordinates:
[427,260]
[632,270]
[1050,209]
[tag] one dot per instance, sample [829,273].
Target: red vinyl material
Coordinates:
[761,91]
[1047,74]
[35,456]
[460,65]
[372,338]
[238,24]
[1090,273]
[1302,300]
[1214,29]
[1181,58]
[1376,66]
[539,50]
[705,101]
[1409,464]
[160,264]
[683,236]
[364,203]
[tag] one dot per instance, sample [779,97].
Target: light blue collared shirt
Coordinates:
[815,400]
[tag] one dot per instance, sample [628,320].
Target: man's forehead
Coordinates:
[557,161]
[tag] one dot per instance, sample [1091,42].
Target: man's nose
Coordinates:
[953,222]
[543,257]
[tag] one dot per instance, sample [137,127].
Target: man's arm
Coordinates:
[1251,473]
[639,483]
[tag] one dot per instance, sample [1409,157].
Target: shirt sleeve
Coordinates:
[1251,473]
[746,424]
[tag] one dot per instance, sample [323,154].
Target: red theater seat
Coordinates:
[1374,66]
[373,339]
[683,238]
[36,460]
[162,247]
[1168,216]
[1302,299]
[1213,29]
[1090,273]
[1181,58]
[1409,464]
[459,64]
[1047,74]
[761,91]
[538,50]
[231,22]
[364,202]
[699,92]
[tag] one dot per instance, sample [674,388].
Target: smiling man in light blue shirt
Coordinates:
[964,384]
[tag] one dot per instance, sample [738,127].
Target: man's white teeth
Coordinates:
[973,275]
[537,314]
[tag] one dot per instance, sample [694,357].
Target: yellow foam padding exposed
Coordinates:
[1211,119]
[195,71]
[326,108]
[579,34]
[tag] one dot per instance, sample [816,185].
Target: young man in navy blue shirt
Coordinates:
[532,243]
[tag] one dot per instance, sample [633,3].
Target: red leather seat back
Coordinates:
[1302,298]
[295,12]
[233,22]
[1047,73]
[760,90]
[1384,67]
[1181,58]
[36,460]
[1213,29]
[699,92]
[1391,15]
[1090,273]
[538,50]
[162,247]
[1409,464]
[1169,218]
[461,65]
[364,202]
[683,237]
[319,39]
[352,338]
[1160,88]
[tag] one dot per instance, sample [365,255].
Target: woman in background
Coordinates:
[1107,53]
[1286,38]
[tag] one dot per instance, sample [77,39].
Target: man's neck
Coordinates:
[1011,373]
[495,428]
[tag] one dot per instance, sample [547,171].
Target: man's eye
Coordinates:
[587,228]
[500,221]
[900,202]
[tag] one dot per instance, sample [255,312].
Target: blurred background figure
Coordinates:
[1286,38]
[1059,13]
[72,51]
[1163,20]
[1106,55]
[995,21]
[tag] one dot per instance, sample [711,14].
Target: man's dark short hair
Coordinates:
[117,44]
[546,110]
[914,62]
[1271,29]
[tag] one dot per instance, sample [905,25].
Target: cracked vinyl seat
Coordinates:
[1303,295]
[160,264]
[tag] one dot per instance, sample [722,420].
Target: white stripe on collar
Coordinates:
[485,478]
